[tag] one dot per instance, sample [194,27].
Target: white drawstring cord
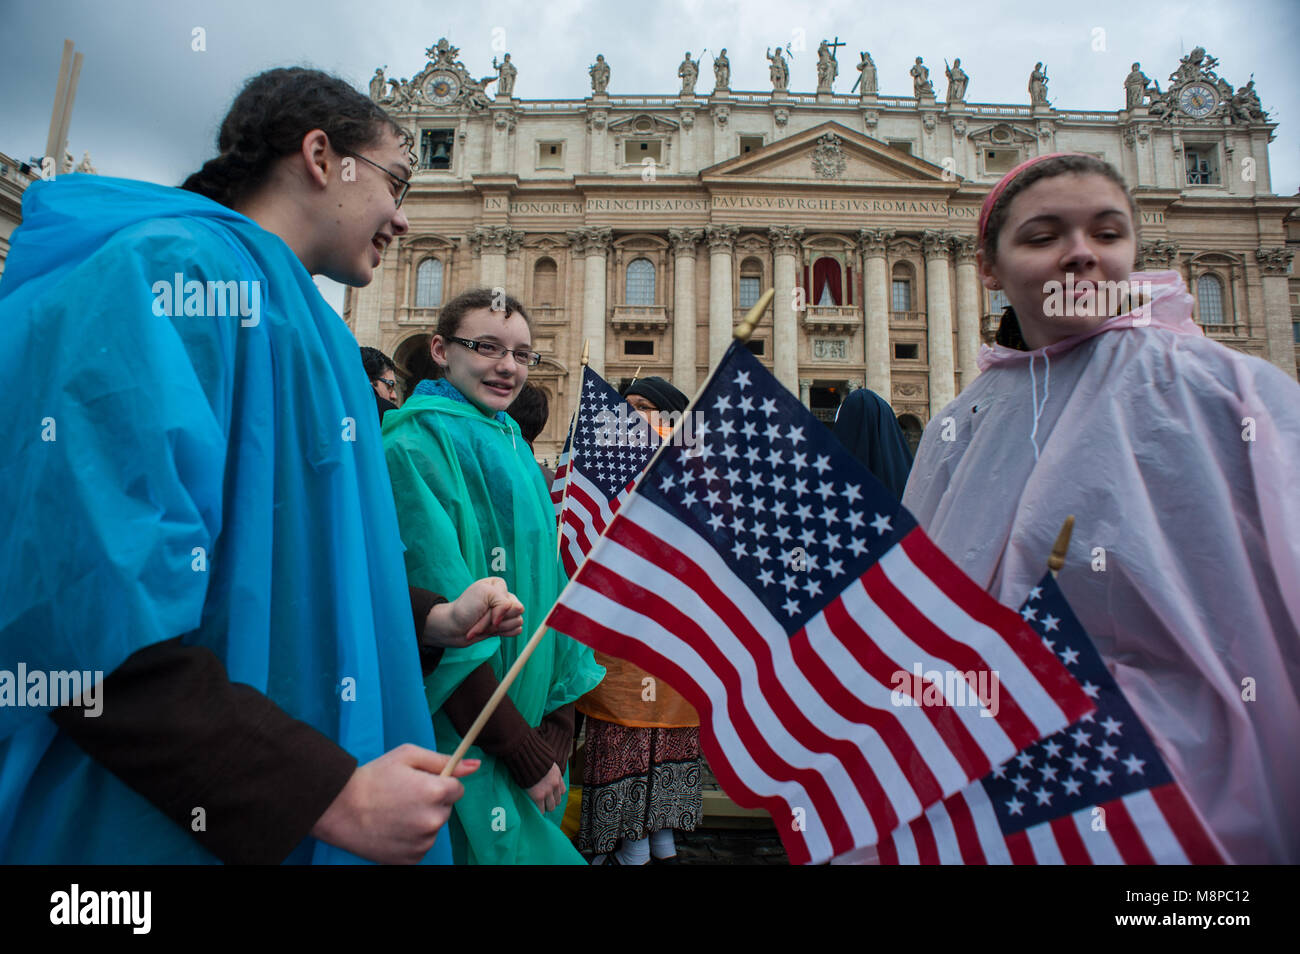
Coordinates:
[1038,408]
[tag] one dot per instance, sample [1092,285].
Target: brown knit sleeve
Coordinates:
[507,735]
[174,728]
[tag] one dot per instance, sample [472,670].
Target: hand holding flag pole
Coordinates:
[742,332]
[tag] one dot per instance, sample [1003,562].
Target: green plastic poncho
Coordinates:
[471,502]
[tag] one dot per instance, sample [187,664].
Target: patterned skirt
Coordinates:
[637,781]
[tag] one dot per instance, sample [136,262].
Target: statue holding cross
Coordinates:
[828,66]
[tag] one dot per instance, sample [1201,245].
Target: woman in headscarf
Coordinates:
[1176,455]
[641,774]
[866,425]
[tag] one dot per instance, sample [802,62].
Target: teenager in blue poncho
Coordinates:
[196,505]
[471,501]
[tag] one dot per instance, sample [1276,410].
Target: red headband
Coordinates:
[998,189]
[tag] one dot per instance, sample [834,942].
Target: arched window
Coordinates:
[1209,299]
[640,282]
[544,273]
[428,284]
[901,289]
[751,282]
[828,282]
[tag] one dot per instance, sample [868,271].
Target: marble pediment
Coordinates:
[828,153]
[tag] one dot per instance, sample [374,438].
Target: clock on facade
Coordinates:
[441,87]
[1198,100]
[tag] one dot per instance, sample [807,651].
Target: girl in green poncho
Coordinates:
[471,502]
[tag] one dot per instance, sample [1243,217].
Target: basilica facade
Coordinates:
[647,225]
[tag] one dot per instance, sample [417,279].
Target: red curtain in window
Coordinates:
[826,272]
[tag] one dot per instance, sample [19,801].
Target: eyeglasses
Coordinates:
[492,351]
[403,185]
[390,382]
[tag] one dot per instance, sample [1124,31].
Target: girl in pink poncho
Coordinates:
[1179,459]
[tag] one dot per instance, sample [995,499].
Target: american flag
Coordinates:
[1096,793]
[608,448]
[781,589]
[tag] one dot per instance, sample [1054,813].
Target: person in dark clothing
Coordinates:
[866,425]
[383,378]
[530,411]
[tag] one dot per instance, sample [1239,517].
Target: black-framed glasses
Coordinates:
[390,382]
[492,351]
[403,185]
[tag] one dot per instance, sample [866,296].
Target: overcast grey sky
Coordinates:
[148,105]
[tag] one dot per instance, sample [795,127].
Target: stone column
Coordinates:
[1273,264]
[875,310]
[805,392]
[684,244]
[594,244]
[492,243]
[785,332]
[721,239]
[938,317]
[968,308]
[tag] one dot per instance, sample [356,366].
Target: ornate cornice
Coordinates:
[1160,252]
[965,247]
[873,243]
[684,241]
[1274,261]
[721,238]
[936,243]
[785,239]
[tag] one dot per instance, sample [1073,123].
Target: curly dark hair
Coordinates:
[375,362]
[270,116]
[450,314]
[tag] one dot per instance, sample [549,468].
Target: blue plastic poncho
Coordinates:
[219,477]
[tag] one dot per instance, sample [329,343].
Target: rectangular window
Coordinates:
[750,144]
[749,291]
[435,148]
[550,155]
[638,347]
[635,151]
[998,302]
[902,295]
[756,346]
[902,145]
[999,161]
[1202,164]
[907,352]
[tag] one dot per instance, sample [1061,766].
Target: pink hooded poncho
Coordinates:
[1179,459]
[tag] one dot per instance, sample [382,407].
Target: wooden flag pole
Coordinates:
[1057,558]
[573,425]
[742,333]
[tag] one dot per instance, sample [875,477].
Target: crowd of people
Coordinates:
[299,606]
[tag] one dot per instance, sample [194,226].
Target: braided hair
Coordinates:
[268,120]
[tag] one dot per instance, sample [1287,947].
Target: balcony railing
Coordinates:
[547,314]
[831,318]
[417,316]
[907,318]
[639,317]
